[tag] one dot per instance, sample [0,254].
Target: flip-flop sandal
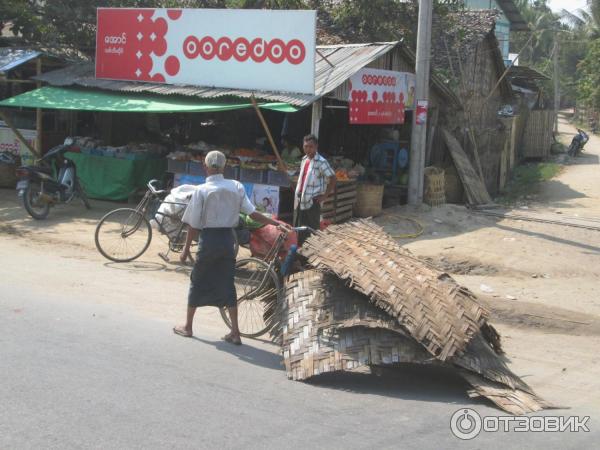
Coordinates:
[228,338]
[181,332]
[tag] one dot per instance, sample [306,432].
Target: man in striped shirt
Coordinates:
[315,184]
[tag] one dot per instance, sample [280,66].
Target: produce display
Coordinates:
[96,147]
[346,169]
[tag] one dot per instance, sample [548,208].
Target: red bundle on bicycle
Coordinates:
[262,240]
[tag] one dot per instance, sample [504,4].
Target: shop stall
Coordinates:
[363,127]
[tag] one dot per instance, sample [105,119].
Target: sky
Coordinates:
[569,5]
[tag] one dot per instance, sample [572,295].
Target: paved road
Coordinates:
[80,373]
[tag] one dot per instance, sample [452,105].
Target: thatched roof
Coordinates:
[460,34]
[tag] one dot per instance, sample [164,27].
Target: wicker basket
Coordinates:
[369,198]
[435,191]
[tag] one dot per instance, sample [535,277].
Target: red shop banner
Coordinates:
[379,97]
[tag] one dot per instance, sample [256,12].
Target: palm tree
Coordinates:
[585,20]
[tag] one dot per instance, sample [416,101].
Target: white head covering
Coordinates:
[215,160]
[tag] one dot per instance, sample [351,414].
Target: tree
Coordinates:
[71,24]
[589,71]
[586,21]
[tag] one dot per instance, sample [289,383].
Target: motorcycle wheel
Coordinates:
[31,202]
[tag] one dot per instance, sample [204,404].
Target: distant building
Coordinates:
[509,19]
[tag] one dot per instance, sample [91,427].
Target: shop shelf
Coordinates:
[177,166]
[278,178]
[196,168]
[252,176]
[231,173]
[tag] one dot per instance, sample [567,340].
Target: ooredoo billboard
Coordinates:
[228,48]
[380,96]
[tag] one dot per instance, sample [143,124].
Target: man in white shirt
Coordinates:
[211,215]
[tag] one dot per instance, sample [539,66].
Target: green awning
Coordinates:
[91,100]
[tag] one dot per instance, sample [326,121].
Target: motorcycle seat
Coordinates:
[46,170]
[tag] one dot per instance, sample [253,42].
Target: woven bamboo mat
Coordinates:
[325,326]
[437,312]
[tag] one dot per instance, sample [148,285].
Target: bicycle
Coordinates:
[124,234]
[257,281]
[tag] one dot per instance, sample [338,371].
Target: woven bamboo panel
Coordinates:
[327,327]
[514,401]
[474,186]
[537,137]
[437,312]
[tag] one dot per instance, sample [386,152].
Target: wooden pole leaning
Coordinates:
[280,164]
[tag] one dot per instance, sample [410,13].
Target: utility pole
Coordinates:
[556,82]
[418,138]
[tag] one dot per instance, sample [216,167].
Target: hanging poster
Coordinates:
[10,144]
[378,96]
[264,197]
[421,112]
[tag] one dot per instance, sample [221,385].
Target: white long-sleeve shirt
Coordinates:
[217,204]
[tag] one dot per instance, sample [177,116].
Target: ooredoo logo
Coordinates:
[379,80]
[259,49]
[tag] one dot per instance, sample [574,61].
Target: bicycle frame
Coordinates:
[272,259]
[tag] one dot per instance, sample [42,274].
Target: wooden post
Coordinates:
[38,111]
[431,135]
[317,113]
[281,165]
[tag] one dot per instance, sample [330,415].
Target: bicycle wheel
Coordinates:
[123,235]
[254,283]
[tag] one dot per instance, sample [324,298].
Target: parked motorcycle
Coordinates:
[577,143]
[40,189]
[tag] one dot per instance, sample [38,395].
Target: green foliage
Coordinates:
[72,23]
[589,70]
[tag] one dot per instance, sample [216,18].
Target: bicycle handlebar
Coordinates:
[304,228]
[153,189]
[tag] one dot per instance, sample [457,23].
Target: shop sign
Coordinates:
[379,96]
[421,112]
[10,144]
[227,48]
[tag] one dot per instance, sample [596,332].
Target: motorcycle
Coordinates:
[39,189]
[578,142]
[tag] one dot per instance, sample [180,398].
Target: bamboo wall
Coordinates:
[537,136]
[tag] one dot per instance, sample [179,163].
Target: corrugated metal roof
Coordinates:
[334,65]
[14,57]
[526,73]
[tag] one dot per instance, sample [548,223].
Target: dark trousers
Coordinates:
[310,217]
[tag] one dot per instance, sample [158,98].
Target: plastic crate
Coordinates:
[252,176]
[231,173]
[177,166]
[196,168]
[277,178]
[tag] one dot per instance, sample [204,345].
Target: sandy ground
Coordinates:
[539,280]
